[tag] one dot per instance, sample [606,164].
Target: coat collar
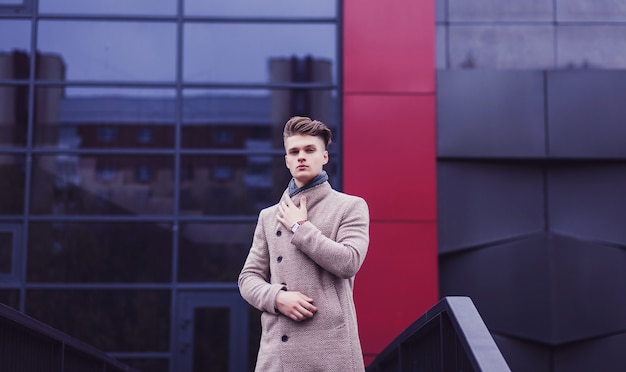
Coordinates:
[313,195]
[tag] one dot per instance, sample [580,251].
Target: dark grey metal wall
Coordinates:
[532,211]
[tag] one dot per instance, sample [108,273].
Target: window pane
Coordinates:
[71,118]
[276,8]
[14,36]
[99,252]
[250,119]
[152,365]
[259,52]
[117,7]
[111,50]
[6,252]
[211,335]
[213,252]
[13,112]
[10,298]
[256,182]
[129,321]
[12,184]
[68,184]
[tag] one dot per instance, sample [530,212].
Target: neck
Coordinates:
[294,187]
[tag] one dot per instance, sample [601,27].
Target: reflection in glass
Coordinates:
[10,298]
[67,184]
[13,114]
[255,182]
[14,36]
[112,50]
[251,120]
[6,252]
[239,53]
[266,8]
[108,7]
[208,192]
[12,184]
[211,334]
[99,252]
[105,118]
[152,365]
[109,320]
[254,336]
[213,252]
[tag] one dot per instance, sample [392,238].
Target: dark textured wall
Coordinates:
[532,211]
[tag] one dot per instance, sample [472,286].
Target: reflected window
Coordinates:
[104,117]
[252,119]
[222,173]
[145,135]
[223,136]
[144,173]
[105,172]
[104,184]
[107,134]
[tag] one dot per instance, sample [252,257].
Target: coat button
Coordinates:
[279,233]
[279,259]
[284,338]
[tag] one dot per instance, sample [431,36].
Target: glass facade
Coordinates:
[138,142]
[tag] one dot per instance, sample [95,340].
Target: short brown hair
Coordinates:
[304,125]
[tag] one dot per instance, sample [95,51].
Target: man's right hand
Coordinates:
[295,305]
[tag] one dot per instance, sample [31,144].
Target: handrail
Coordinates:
[27,344]
[450,336]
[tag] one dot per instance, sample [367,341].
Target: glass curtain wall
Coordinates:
[138,142]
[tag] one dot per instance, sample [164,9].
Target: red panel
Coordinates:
[389,155]
[389,46]
[397,283]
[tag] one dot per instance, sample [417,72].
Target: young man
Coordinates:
[300,269]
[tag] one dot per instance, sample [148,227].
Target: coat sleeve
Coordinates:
[344,256]
[254,279]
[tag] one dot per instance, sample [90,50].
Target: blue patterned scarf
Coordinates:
[317,180]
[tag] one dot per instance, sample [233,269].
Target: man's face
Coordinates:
[305,157]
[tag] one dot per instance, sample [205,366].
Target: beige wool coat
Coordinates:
[320,260]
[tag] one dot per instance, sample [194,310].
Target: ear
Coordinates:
[286,165]
[325,158]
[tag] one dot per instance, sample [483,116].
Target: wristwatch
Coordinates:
[296,225]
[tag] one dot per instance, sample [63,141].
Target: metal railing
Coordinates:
[450,336]
[28,345]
